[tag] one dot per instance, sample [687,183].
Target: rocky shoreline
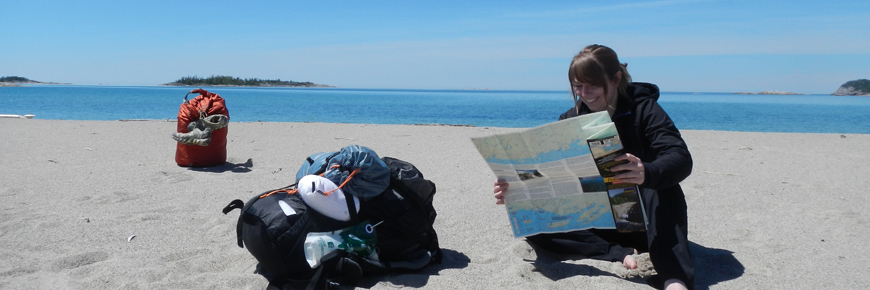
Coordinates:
[21,84]
[860,87]
[850,91]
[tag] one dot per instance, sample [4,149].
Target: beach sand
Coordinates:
[766,210]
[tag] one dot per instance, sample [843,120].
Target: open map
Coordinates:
[555,182]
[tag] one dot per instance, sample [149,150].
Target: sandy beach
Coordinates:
[766,210]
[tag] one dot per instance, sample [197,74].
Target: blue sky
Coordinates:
[709,46]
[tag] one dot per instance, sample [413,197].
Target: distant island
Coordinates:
[768,93]
[854,88]
[13,81]
[228,81]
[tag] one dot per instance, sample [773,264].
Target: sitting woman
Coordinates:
[658,160]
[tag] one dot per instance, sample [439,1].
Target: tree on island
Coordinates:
[14,79]
[234,81]
[854,88]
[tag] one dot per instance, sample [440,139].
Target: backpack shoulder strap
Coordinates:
[351,208]
[230,207]
[233,205]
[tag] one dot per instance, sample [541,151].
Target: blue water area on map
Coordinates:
[697,111]
[543,220]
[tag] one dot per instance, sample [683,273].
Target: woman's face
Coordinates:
[593,96]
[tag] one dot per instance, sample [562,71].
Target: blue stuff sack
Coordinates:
[365,173]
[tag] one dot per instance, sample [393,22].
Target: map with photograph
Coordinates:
[560,214]
[554,182]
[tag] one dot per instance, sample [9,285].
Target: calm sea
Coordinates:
[697,111]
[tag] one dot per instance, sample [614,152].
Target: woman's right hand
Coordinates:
[499,189]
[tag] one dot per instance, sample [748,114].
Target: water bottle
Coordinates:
[359,239]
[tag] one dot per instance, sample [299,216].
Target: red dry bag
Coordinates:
[202,131]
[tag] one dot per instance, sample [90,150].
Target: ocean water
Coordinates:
[696,111]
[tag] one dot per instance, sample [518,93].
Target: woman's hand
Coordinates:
[631,172]
[499,189]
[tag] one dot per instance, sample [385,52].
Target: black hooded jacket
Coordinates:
[647,132]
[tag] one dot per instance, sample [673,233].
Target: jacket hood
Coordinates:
[640,91]
[635,94]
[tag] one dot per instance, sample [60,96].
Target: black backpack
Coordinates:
[403,215]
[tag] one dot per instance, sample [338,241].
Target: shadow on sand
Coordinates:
[712,266]
[551,265]
[227,167]
[418,279]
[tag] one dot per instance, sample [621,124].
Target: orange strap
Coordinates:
[288,191]
[333,166]
[293,191]
[343,183]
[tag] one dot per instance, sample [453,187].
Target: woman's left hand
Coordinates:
[631,172]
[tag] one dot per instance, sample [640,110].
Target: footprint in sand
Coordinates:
[183,255]
[524,251]
[18,271]
[78,260]
[4,192]
[172,177]
[519,249]
[115,197]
